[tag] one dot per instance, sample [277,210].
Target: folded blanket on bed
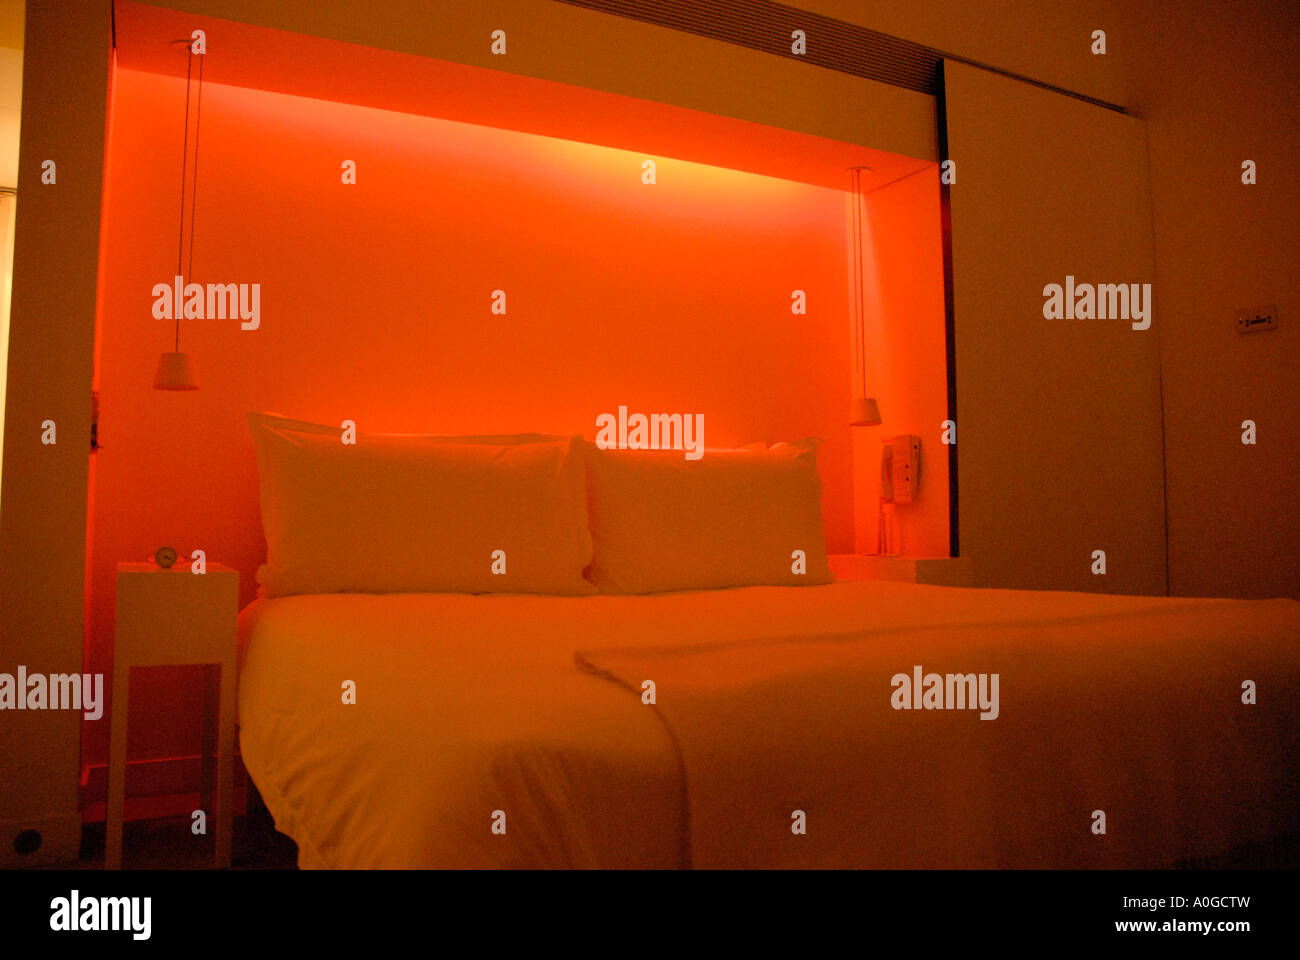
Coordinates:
[1120,740]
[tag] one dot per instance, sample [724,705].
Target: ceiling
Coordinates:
[244,55]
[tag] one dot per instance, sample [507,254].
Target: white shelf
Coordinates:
[943,571]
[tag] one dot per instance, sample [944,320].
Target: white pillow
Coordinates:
[419,514]
[660,522]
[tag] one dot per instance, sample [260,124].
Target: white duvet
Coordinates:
[476,740]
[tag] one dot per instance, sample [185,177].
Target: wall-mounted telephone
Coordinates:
[900,474]
[900,468]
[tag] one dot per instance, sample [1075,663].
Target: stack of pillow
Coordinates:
[529,513]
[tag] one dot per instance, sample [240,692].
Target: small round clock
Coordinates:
[165,557]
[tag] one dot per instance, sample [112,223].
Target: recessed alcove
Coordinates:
[375,297]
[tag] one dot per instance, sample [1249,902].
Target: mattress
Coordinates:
[513,731]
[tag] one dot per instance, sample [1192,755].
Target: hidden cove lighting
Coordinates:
[863,411]
[177,370]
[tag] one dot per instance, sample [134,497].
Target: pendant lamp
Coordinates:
[177,370]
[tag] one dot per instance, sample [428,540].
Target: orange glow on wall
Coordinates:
[376,307]
[903,316]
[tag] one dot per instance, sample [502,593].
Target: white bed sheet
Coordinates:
[466,705]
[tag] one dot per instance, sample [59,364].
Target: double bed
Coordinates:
[501,730]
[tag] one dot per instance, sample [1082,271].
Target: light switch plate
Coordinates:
[1256,318]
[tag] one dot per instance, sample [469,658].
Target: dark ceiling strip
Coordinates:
[833,44]
[930,167]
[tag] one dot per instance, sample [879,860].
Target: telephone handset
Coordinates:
[900,468]
[900,473]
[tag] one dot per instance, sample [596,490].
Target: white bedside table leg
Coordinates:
[208,750]
[226,763]
[117,767]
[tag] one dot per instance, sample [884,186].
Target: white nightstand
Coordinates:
[941,571]
[173,617]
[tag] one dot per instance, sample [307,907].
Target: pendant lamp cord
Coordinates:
[194,189]
[860,321]
[185,157]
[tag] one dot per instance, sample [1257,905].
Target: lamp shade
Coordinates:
[176,371]
[864,412]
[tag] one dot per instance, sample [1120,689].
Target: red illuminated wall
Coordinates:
[902,280]
[375,307]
